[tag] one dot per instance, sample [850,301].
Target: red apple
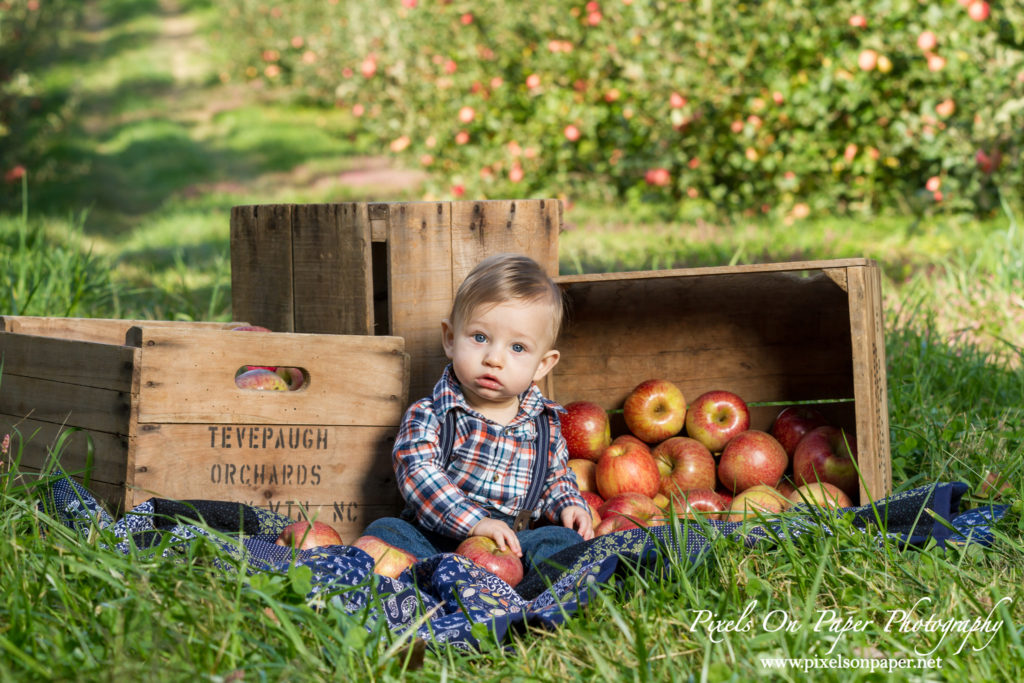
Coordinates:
[387,559]
[822,494]
[655,410]
[827,454]
[594,502]
[303,535]
[586,429]
[978,10]
[703,503]
[785,486]
[626,511]
[626,468]
[714,417]
[757,500]
[485,552]
[725,494]
[629,438]
[793,422]
[261,379]
[586,473]
[293,376]
[683,464]
[750,458]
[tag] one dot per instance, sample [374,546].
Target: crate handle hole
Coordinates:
[255,377]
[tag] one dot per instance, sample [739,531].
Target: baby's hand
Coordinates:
[501,533]
[575,517]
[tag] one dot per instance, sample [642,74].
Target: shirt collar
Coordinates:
[448,395]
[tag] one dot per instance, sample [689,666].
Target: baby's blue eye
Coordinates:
[479,338]
[518,348]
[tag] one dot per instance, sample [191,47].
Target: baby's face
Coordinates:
[498,350]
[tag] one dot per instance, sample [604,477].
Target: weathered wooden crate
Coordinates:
[152,409]
[377,268]
[785,332]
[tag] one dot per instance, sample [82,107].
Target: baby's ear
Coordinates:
[547,363]
[447,337]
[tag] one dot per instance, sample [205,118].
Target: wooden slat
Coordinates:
[482,229]
[36,440]
[783,267]
[332,269]
[91,364]
[420,286]
[346,471]
[76,405]
[102,330]
[188,376]
[867,330]
[262,285]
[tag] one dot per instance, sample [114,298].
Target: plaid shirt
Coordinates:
[491,465]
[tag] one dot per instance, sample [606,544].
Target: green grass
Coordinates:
[129,218]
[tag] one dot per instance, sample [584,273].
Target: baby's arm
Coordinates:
[439,504]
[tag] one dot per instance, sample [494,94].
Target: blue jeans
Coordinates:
[536,544]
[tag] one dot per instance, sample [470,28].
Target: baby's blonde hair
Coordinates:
[507,277]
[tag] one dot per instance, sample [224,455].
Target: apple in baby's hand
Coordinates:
[827,454]
[792,423]
[703,503]
[750,458]
[655,410]
[760,500]
[714,417]
[626,468]
[586,473]
[586,429]
[387,559]
[261,379]
[822,494]
[304,535]
[683,464]
[485,552]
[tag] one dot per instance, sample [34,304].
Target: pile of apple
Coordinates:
[267,377]
[703,460]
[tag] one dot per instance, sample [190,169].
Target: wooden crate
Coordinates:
[770,333]
[155,412]
[377,268]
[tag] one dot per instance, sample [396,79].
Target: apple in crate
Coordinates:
[683,464]
[586,473]
[586,429]
[760,500]
[484,551]
[293,376]
[305,535]
[827,454]
[821,494]
[702,503]
[387,559]
[715,417]
[655,410]
[750,458]
[627,468]
[792,423]
[261,379]
[626,511]
[630,439]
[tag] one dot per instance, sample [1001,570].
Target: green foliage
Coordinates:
[696,107]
